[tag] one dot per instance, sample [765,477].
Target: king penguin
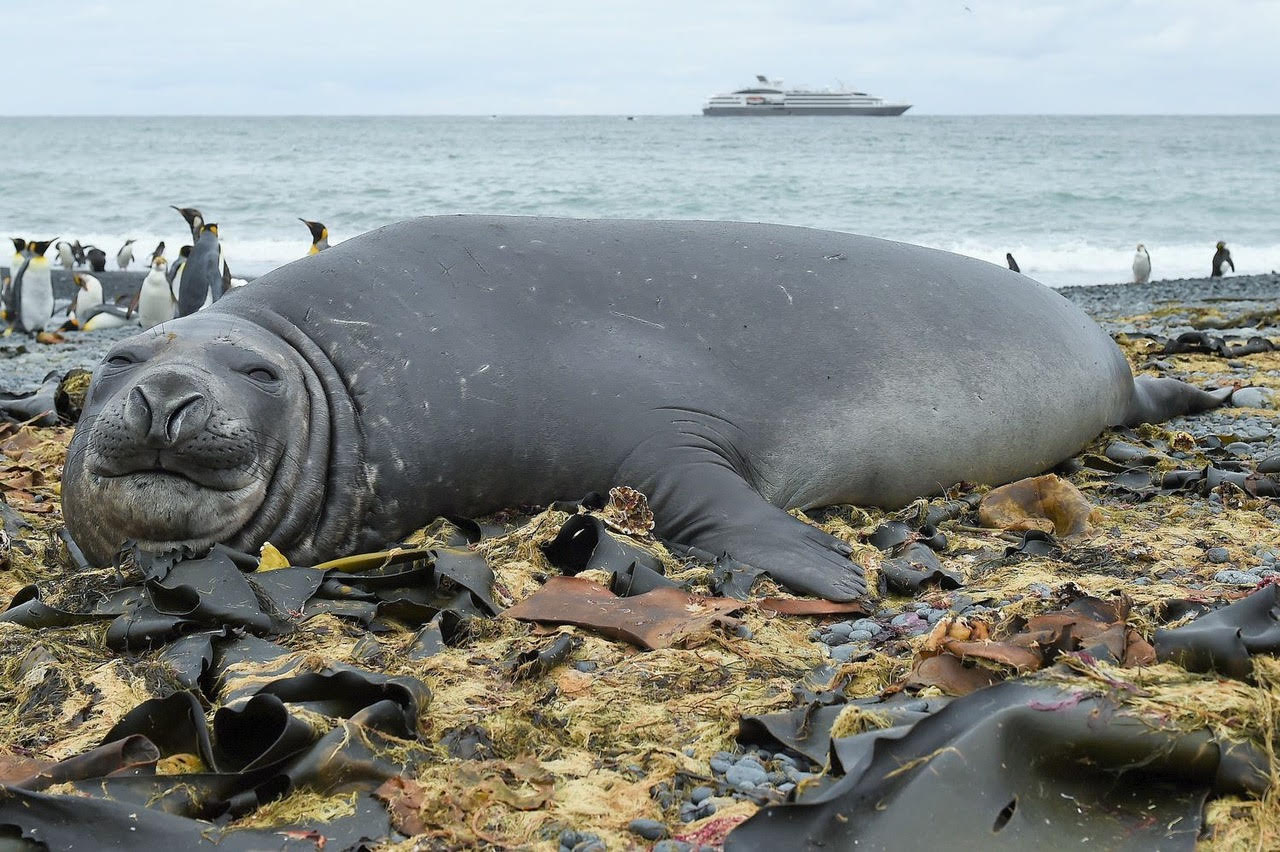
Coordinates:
[201,283]
[175,272]
[97,258]
[6,284]
[159,252]
[125,256]
[65,257]
[1141,265]
[195,220]
[32,294]
[155,298]
[319,236]
[1221,256]
[88,296]
[77,252]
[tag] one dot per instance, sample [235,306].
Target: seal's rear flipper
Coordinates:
[1157,400]
[699,499]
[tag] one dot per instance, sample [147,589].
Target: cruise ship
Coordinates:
[768,97]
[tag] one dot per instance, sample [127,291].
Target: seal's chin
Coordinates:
[163,509]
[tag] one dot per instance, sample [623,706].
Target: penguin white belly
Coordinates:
[36,306]
[86,300]
[155,305]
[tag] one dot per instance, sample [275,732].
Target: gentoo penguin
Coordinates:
[1013,264]
[159,252]
[109,316]
[88,296]
[319,235]
[1221,256]
[175,271]
[97,258]
[77,252]
[201,282]
[125,256]
[32,295]
[65,257]
[1141,265]
[155,299]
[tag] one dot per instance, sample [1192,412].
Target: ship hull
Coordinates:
[887,109]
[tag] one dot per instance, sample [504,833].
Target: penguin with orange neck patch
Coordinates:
[319,236]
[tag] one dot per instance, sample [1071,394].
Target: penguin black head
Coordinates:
[1221,245]
[19,244]
[184,252]
[41,247]
[159,250]
[193,216]
[317,229]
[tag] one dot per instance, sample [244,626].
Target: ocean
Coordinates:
[1069,196]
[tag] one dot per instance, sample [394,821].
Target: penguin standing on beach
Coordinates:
[97,258]
[195,220]
[77,252]
[88,296]
[155,298]
[1221,256]
[175,272]
[1013,264]
[319,236]
[125,255]
[6,284]
[1141,265]
[65,257]
[201,283]
[159,252]
[31,297]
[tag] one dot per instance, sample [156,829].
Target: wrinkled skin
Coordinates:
[459,365]
[189,430]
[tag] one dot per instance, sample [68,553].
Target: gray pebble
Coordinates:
[1237,578]
[785,760]
[649,829]
[745,778]
[868,625]
[672,846]
[1251,398]
[840,629]
[860,635]
[844,653]
[786,788]
[1239,448]
[835,639]
[905,620]
[720,766]
[585,666]
[1217,554]
[742,631]
[700,794]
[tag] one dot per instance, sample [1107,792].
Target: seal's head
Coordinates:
[187,431]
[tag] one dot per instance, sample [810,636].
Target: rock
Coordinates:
[860,636]
[672,846]
[1232,577]
[1252,398]
[867,624]
[745,777]
[1239,448]
[700,794]
[844,653]
[840,629]
[1217,555]
[720,766]
[649,829]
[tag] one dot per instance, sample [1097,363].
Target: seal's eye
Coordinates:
[262,375]
[120,360]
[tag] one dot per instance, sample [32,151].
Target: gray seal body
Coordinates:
[462,364]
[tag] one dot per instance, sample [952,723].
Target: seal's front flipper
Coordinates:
[1156,400]
[700,499]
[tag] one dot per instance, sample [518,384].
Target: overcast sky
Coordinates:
[651,56]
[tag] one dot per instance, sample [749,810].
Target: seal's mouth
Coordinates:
[160,466]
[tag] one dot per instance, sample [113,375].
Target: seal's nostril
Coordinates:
[184,412]
[139,410]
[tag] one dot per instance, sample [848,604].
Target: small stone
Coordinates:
[785,760]
[776,778]
[936,615]
[724,755]
[1141,581]
[905,620]
[844,653]
[1251,398]
[745,778]
[860,636]
[753,761]
[742,631]
[841,629]
[569,838]
[649,829]
[834,639]
[720,766]
[593,845]
[867,624]
[1232,577]
[786,788]
[1217,554]
[585,666]
[672,846]
[706,809]
[700,794]
[1239,448]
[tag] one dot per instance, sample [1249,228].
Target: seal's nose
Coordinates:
[166,409]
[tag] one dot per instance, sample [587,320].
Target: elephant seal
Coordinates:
[462,364]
